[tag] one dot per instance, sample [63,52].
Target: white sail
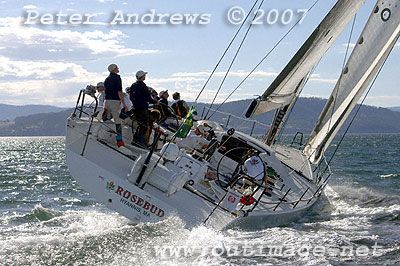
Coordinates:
[377,40]
[282,90]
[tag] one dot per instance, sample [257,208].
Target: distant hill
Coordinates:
[396,109]
[369,120]
[47,124]
[10,112]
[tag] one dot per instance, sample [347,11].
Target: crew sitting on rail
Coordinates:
[179,106]
[196,139]
[168,118]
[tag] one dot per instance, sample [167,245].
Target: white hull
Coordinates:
[106,173]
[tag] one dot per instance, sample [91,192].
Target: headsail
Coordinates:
[373,47]
[283,88]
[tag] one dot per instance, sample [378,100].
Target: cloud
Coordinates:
[31,43]
[30,7]
[239,73]
[56,83]
[30,70]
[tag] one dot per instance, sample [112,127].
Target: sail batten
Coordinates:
[283,89]
[373,47]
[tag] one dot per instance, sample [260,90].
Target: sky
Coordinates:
[49,50]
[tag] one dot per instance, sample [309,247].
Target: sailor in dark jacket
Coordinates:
[140,98]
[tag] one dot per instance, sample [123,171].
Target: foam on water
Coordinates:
[48,220]
[390,176]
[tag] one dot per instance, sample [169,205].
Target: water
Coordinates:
[47,219]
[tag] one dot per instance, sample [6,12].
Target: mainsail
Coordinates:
[373,47]
[283,88]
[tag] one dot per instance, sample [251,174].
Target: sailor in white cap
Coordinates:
[140,98]
[165,110]
[114,97]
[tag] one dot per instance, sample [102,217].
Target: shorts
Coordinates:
[113,108]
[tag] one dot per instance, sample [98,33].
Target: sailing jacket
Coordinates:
[163,108]
[112,85]
[140,96]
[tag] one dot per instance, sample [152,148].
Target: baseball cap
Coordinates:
[162,92]
[100,84]
[111,67]
[140,73]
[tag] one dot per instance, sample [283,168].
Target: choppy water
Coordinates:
[47,219]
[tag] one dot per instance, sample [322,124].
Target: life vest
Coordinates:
[180,109]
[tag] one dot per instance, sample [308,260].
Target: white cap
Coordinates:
[161,93]
[100,84]
[140,74]
[111,67]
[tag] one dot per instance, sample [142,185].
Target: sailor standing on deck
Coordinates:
[140,98]
[100,97]
[114,97]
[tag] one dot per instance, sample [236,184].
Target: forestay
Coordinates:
[283,88]
[377,40]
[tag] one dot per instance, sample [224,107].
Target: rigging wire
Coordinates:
[343,68]
[340,77]
[234,58]
[226,50]
[265,57]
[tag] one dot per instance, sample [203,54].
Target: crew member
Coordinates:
[140,98]
[196,139]
[179,106]
[113,99]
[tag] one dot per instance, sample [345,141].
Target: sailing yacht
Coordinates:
[217,186]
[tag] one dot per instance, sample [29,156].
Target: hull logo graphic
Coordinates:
[110,186]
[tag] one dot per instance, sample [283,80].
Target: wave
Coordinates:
[38,214]
[365,196]
[389,176]
[393,217]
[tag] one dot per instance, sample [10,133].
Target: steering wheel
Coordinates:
[238,170]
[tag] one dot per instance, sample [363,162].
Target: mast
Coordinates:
[283,89]
[281,115]
[373,47]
